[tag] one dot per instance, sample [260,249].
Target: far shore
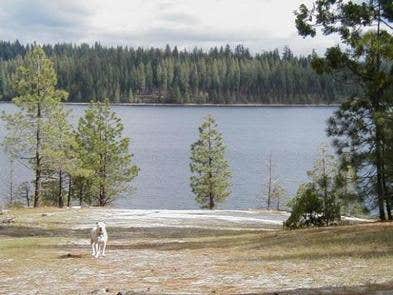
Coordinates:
[206,105]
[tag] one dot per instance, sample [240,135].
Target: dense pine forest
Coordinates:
[220,75]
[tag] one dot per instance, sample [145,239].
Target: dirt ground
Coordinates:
[46,251]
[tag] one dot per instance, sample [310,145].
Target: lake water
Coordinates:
[161,138]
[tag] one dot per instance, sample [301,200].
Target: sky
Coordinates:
[257,24]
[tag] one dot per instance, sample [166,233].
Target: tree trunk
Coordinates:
[211,196]
[27,197]
[60,196]
[102,199]
[103,193]
[69,191]
[325,191]
[379,163]
[380,180]
[387,199]
[379,138]
[211,202]
[389,209]
[37,189]
[11,181]
[81,194]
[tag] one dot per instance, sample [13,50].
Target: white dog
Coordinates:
[98,239]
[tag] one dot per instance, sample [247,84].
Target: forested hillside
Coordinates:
[220,75]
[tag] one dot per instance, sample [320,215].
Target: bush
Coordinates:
[307,208]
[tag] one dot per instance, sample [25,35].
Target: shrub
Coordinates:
[307,208]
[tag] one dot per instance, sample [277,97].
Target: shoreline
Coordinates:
[243,105]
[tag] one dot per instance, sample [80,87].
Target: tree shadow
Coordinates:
[123,237]
[366,254]
[367,289]
[322,238]
[120,232]
[167,245]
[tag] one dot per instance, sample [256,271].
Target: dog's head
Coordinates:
[100,227]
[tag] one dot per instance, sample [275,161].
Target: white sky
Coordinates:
[257,24]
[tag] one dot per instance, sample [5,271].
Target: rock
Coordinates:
[47,214]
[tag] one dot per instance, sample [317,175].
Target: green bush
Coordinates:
[307,208]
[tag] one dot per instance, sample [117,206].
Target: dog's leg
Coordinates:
[97,249]
[93,252]
[103,249]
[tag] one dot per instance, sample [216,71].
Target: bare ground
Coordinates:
[46,251]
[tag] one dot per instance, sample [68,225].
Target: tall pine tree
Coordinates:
[38,98]
[211,179]
[105,152]
[358,126]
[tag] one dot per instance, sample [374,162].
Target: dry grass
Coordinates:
[50,255]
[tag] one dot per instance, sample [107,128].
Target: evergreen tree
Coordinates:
[306,208]
[211,178]
[358,126]
[323,178]
[61,163]
[35,83]
[105,152]
[317,202]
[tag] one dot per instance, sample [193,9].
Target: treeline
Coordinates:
[220,75]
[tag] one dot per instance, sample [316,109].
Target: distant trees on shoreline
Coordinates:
[220,76]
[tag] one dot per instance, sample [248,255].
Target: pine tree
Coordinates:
[35,83]
[316,202]
[358,126]
[61,159]
[211,178]
[105,152]
[323,178]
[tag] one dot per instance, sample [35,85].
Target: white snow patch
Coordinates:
[227,219]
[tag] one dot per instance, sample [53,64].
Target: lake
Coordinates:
[162,135]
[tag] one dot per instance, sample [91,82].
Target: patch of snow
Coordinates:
[204,219]
[357,219]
